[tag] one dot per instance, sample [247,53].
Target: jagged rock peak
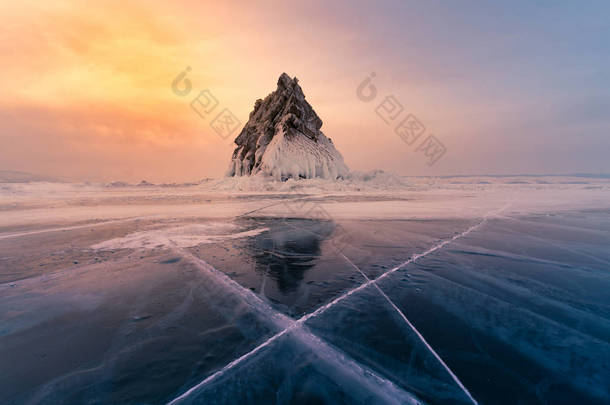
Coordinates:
[282,138]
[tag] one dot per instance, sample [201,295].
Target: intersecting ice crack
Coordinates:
[299,323]
[419,335]
[409,324]
[366,377]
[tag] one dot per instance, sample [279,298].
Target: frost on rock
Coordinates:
[282,138]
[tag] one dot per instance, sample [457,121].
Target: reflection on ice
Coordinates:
[285,254]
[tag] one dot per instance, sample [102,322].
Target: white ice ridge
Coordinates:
[183,236]
[341,363]
[323,308]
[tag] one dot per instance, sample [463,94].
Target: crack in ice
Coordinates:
[70,228]
[414,329]
[333,356]
[294,324]
[286,201]
[393,270]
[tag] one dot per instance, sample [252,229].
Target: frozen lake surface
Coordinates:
[490,290]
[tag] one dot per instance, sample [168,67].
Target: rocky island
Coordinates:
[282,138]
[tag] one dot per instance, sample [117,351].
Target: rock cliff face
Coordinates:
[282,138]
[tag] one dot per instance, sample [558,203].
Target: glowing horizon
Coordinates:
[87,88]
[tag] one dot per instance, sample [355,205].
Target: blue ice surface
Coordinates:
[518,310]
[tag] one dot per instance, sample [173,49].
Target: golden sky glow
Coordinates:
[86,85]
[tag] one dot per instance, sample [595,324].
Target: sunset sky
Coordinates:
[508,87]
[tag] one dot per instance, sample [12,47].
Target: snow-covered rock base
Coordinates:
[282,139]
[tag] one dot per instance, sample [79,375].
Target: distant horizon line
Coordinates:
[35,177]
